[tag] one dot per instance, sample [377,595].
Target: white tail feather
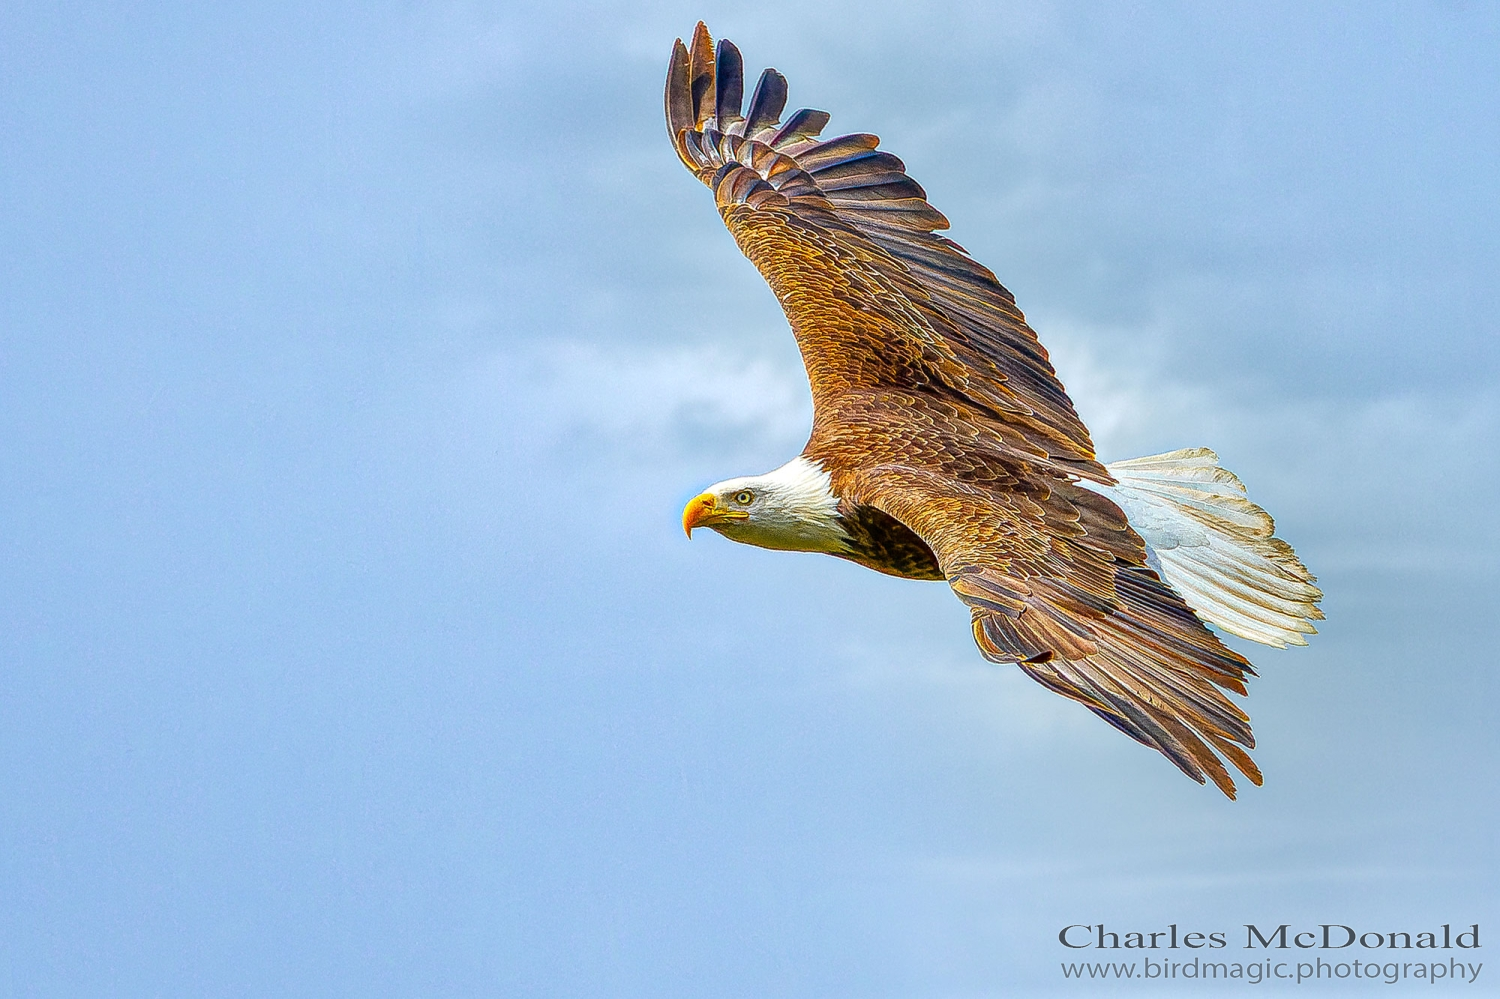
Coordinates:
[1215,547]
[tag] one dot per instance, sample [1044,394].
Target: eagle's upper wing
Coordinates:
[846,241]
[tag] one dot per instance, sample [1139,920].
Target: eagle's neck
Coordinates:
[798,512]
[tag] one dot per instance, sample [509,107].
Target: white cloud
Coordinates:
[657,404]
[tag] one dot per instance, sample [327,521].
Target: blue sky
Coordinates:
[355,363]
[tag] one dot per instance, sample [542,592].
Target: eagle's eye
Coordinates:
[744,497]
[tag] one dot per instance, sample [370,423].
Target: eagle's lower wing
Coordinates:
[846,241]
[1055,582]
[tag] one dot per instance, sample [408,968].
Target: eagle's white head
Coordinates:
[790,509]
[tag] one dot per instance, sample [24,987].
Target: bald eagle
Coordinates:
[943,445]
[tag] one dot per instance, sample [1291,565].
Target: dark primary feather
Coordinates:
[949,439]
[873,168]
[679,97]
[834,152]
[802,126]
[766,103]
[701,76]
[730,84]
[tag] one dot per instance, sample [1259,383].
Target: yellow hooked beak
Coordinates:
[704,511]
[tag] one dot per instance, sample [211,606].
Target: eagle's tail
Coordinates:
[1215,547]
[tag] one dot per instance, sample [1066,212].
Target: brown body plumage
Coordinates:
[948,442]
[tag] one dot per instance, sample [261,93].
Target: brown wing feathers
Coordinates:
[1054,581]
[935,403]
[868,199]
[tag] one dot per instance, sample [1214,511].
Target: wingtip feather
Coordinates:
[678,97]
[729,85]
[766,104]
[701,75]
